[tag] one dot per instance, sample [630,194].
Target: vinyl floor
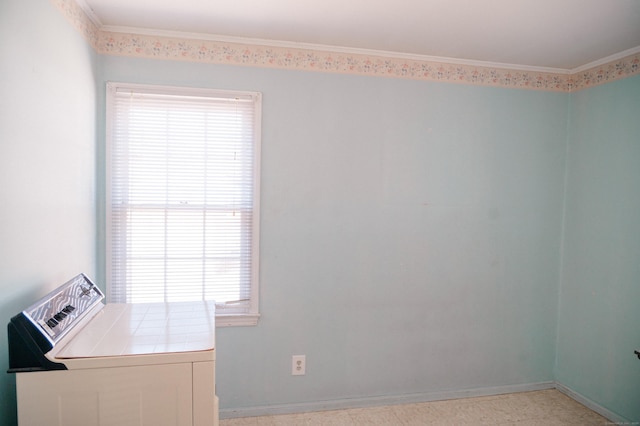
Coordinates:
[539,408]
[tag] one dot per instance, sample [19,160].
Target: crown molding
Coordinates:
[90,14]
[607,60]
[209,48]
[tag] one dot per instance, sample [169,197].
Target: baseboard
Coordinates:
[609,415]
[270,410]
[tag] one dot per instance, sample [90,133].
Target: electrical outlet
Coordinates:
[298,365]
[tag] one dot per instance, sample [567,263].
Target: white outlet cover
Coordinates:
[298,365]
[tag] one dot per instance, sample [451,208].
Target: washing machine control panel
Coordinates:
[59,311]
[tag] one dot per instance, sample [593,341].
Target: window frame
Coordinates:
[222,319]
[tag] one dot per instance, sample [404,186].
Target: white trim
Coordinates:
[608,59]
[243,95]
[610,415]
[254,308]
[110,87]
[341,404]
[375,401]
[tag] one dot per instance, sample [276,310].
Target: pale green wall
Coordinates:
[411,231]
[47,162]
[599,322]
[410,234]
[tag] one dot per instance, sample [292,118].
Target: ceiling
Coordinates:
[554,34]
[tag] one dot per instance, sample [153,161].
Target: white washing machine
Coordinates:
[81,362]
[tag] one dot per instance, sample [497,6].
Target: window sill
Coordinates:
[237,320]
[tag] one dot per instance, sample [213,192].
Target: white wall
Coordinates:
[47,162]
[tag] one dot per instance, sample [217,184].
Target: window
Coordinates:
[183,197]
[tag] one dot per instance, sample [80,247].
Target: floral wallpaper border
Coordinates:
[171,48]
[78,19]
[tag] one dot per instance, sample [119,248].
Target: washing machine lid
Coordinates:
[143,329]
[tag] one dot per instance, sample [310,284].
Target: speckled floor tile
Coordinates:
[329,418]
[537,408]
[416,414]
[244,421]
[283,420]
[374,416]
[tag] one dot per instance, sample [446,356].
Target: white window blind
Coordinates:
[183,196]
